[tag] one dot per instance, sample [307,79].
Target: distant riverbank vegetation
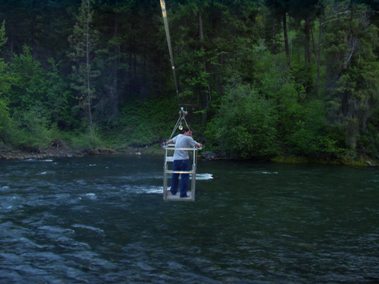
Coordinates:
[260,79]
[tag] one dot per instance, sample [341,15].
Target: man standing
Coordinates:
[181,161]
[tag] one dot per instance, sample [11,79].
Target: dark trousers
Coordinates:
[180,165]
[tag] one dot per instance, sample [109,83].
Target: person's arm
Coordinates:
[172,140]
[195,143]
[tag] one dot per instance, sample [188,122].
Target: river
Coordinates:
[102,220]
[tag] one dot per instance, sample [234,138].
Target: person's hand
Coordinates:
[164,143]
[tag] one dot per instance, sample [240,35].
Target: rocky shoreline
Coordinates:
[7,153]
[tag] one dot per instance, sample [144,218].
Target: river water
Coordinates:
[103,220]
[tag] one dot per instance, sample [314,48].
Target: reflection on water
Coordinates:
[103,220]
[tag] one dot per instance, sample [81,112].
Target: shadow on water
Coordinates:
[103,220]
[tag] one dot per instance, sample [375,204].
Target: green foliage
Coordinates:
[29,86]
[36,101]
[212,41]
[83,42]
[244,125]
[369,140]
[353,41]
[5,123]
[32,129]
[283,77]
[3,38]
[149,122]
[5,78]
[311,135]
[90,139]
[58,98]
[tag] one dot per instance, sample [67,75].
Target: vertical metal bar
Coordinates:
[193,180]
[165,176]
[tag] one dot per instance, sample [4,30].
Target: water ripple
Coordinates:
[102,220]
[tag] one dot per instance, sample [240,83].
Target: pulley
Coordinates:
[179,123]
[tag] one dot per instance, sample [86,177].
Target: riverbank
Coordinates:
[58,150]
[61,150]
[361,161]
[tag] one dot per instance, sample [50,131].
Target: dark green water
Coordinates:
[103,220]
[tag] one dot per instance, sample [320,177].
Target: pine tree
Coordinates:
[4,87]
[3,38]
[351,57]
[83,42]
[4,75]
[280,10]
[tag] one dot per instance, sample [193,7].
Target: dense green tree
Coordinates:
[279,10]
[5,121]
[5,78]
[286,77]
[352,43]
[245,125]
[306,11]
[58,98]
[109,58]
[3,38]
[311,135]
[212,40]
[29,86]
[304,14]
[83,42]
[132,52]
[37,100]
[42,25]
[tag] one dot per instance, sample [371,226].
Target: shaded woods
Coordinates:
[261,79]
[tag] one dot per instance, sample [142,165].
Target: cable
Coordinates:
[165,22]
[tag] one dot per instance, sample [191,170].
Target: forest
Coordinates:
[260,79]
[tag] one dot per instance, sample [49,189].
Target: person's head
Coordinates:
[187,131]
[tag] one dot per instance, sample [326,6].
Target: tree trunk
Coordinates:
[201,31]
[318,52]
[307,56]
[307,45]
[115,93]
[285,34]
[88,71]
[352,133]
[206,96]
[32,29]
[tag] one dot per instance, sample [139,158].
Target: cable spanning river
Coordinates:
[103,220]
